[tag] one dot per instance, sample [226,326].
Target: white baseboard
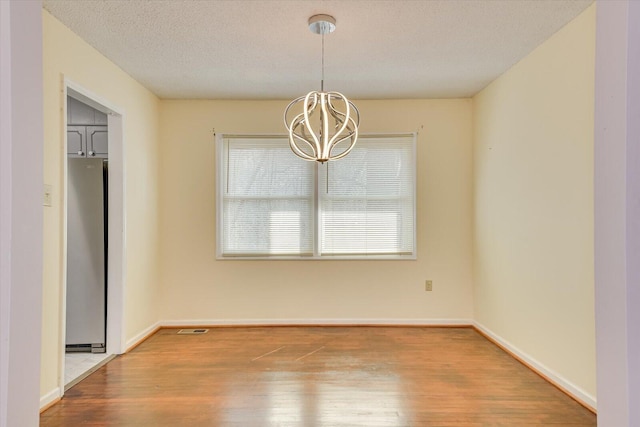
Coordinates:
[50,397]
[132,342]
[312,322]
[562,383]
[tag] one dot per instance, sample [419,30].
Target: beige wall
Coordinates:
[197,287]
[66,55]
[505,200]
[533,177]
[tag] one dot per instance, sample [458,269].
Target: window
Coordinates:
[273,204]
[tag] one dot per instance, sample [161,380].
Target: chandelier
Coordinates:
[322,125]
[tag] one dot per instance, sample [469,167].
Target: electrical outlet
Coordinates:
[48,195]
[428,285]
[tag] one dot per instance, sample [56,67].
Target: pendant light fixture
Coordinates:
[322,125]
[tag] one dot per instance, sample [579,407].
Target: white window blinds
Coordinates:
[366,199]
[271,203]
[268,199]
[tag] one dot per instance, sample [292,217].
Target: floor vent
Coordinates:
[193,331]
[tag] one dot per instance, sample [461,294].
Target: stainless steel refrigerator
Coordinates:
[86,255]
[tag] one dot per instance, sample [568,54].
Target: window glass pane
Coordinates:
[261,168]
[367,199]
[268,227]
[268,199]
[373,168]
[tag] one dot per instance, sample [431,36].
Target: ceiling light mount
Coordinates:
[321,121]
[322,24]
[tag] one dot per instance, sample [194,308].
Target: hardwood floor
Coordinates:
[316,376]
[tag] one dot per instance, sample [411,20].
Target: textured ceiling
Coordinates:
[263,49]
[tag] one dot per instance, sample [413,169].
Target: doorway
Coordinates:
[87,239]
[101,159]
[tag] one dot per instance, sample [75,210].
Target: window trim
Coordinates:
[219,200]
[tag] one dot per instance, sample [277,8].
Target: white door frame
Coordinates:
[116,268]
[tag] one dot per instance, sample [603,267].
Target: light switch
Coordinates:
[48,195]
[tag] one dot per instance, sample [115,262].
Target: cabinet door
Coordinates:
[76,141]
[97,142]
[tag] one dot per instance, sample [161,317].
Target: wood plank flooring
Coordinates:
[316,376]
